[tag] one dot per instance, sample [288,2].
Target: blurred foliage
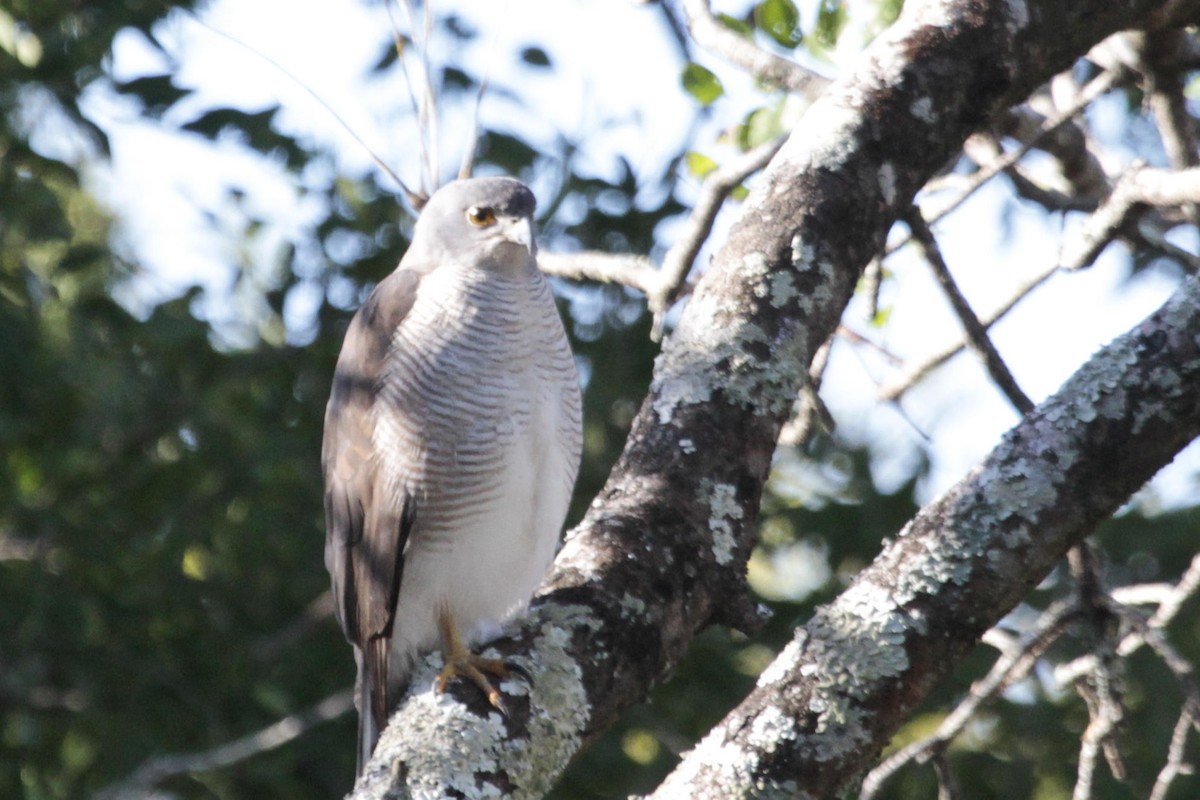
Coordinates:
[161,530]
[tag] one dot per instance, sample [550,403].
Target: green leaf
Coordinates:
[702,84]
[831,20]
[780,20]
[736,25]
[699,164]
[761,125]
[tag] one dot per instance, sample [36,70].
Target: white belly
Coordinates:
[484,566]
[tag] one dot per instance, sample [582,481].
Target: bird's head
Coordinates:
[478,222]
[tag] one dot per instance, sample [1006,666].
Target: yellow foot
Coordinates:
[467,665]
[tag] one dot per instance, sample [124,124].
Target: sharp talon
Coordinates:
[462,663]
[497,702]
[514,667]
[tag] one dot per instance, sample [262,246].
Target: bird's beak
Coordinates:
[520,231]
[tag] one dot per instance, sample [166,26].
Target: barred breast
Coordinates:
[480,422]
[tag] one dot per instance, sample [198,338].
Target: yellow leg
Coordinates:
[462,663]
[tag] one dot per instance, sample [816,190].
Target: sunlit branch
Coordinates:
[1137,189]
[636,272]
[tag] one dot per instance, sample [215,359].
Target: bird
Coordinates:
[452,441]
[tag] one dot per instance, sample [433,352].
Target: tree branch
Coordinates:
[766,67]
[974,330]
[862,665]
[1137,189]
[160,768]
[662,551]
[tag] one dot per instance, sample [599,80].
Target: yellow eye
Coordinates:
[481,217]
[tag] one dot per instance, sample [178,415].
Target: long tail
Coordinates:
[372,698]
[368,732]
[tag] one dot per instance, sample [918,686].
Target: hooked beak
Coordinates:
[520,231]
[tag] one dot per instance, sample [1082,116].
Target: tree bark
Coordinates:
[662,552]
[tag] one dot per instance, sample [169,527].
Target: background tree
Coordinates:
[160,522]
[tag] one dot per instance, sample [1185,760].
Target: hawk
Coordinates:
[452,441]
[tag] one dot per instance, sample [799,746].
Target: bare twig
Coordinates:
[766,67]
[414,198]
[716,187]
[1098,86]
[1169,602]
[1009,667]
[1176,764]
[812,409]
[1100,689]
[1138,188]
[1154,238]
[976,331]
[947,785]
[1068,144]
[892,390]
[155,770]
[664,285]
[636,272]
[270,647]
[985,150]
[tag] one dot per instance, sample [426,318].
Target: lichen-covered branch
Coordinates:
[662,551]
[856,671]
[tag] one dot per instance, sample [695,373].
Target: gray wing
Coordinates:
[365,530]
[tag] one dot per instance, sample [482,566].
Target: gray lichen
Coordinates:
[449,751]
[724,512]
[851,647]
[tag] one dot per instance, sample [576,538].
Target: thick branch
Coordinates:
[863,664]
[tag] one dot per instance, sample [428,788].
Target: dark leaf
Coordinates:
[535,57]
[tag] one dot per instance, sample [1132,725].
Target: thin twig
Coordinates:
[664,285]
[1168,607]
[812,409]
[413,197]
[1165,95]
[892,390]
[947,785]
[1098,86]
[1177,764]
[678,261]
[1139,187]
[272,646]
[1101,688]
[160,768]
[636,272]
[975,331]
